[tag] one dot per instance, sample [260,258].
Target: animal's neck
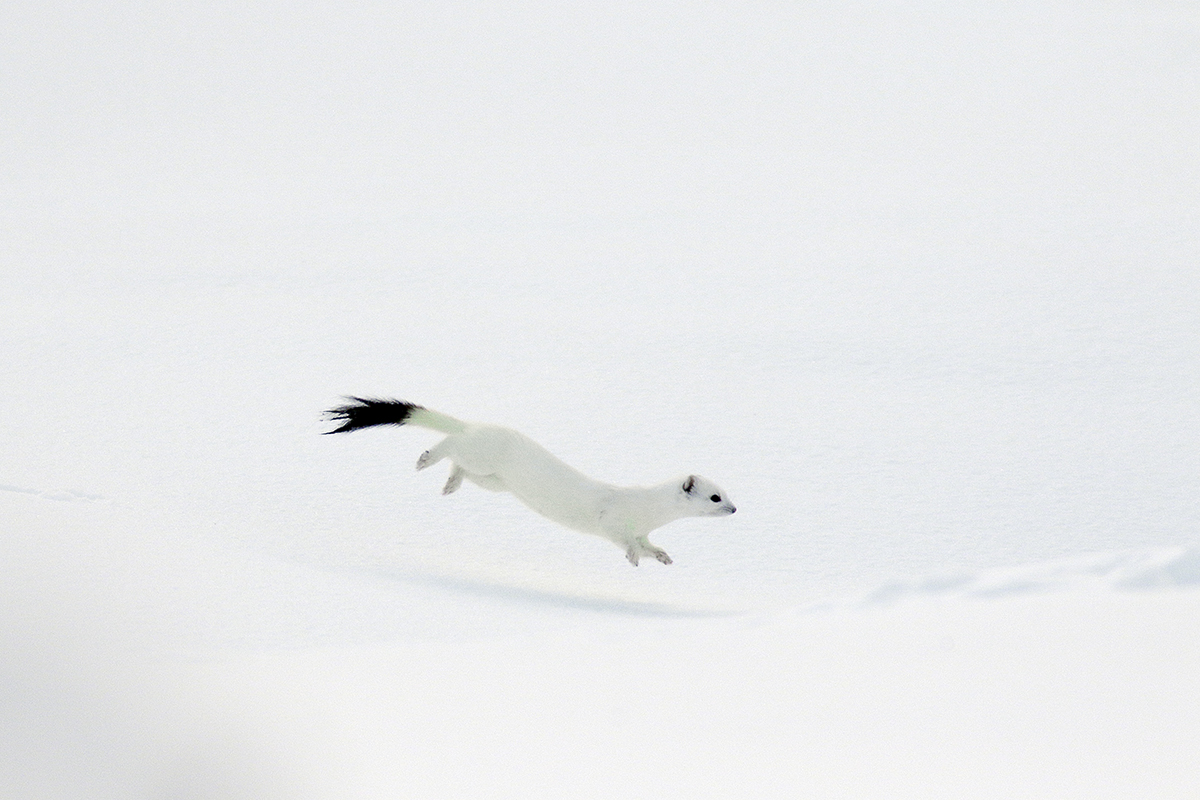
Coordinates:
[660,504]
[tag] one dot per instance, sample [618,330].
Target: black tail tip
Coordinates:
[365,412]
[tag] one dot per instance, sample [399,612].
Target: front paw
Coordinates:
[662,556]
[632,555]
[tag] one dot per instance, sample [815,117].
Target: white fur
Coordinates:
[503,460]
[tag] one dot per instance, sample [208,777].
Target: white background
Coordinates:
[917,285]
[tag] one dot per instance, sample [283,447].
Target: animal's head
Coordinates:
[705,498]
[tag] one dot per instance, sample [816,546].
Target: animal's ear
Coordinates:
[689,484]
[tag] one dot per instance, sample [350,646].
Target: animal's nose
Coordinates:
[732,509]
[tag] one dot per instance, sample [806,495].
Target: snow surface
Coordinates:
[917,285]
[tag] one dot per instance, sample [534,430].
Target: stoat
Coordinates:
[503,460]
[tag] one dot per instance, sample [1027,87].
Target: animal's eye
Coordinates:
[716,498]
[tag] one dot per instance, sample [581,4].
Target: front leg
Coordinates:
[646,549]
[642,547]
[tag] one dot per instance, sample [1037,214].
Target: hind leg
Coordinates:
[433,455]
[454,481]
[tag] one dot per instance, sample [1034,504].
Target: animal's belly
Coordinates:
[571,511]
[566,499]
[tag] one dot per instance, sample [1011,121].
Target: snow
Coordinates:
[916,285]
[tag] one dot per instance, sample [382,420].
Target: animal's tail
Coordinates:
[365,412]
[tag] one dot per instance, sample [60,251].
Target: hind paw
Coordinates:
[454,481]
[662,556]
[425,460]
